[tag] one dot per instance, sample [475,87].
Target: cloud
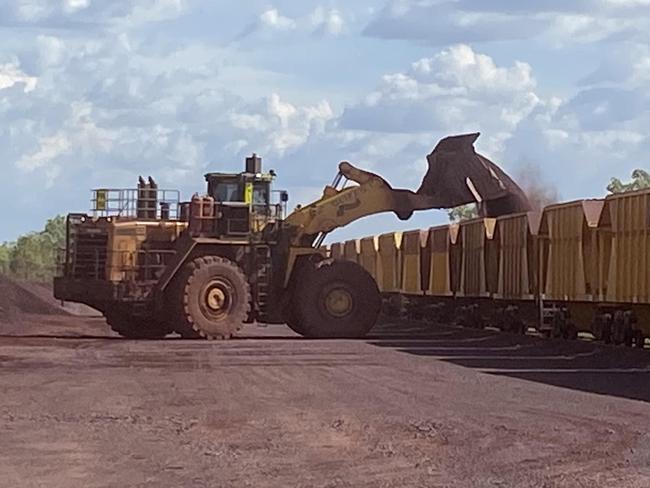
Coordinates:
[75,5]
[327,21]
[457,89]
[322,21]
[10,75]
[272,18]
[75,14]
[449,21]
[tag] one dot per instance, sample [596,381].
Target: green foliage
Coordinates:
[465,212]
[5,257]
[34,255]
[640,181]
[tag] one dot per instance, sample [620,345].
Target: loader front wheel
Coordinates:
[214,299]
[336,299]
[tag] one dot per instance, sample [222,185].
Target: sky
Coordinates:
[95,93]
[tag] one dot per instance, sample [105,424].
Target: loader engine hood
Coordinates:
[458,175]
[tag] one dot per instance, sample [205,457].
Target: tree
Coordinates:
[5,257]
[34,255]
[640,180]
[464,212]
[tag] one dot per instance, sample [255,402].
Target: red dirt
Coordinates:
[273,410]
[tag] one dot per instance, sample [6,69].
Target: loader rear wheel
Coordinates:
[214,298]
[136,328]
[336,299]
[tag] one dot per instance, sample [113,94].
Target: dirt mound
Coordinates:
[18,299]
[46,293]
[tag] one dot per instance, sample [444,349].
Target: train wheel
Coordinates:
[214,299]
[571,332]
[336,299]
[606,335]
[629,337]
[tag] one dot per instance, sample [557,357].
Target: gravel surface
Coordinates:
[429,407]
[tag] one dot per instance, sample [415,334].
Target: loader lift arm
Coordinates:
[340,207]
[457,175]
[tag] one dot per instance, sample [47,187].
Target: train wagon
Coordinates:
[368,255]
[569,240]
[351,250]
[389,265]
[413,262]
[623,312]
[581,266]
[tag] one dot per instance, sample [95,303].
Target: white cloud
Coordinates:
[79,133]
[558,22]
[71,14]
[453,90]
[31,10]
[10,75]
[321,22]
[272,18]
[75,5]
[327,21]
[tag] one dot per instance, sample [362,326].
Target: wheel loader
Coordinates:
[153,264]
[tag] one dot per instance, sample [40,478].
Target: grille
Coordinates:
[88,252]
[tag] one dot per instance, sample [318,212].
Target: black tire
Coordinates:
[293,324]
[301,270]
[136,328]
[606,335]
[212,299]
[336,299]
[639,339]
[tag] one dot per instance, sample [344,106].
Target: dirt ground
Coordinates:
[418,406]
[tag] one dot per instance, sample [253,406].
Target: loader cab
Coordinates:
[245,198]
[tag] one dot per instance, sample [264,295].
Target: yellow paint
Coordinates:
[248,193]
[100,200]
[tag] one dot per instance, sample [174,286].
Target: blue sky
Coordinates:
[94,93]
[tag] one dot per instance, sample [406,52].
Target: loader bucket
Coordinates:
[458,175]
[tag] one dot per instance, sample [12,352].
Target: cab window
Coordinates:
[227,192]
[260,195]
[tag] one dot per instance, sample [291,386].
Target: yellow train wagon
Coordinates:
[414,262]
[519,257]
[369,255]
[624,268]
[479,261]
[441,242]
[351,250]
[336,250]
[389,262]
[570,249]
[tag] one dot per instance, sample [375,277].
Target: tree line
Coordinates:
[34,256]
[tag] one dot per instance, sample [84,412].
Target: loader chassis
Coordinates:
[205,267]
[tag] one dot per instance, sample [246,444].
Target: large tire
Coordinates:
[336,299]
[136,328]
[213,299]
[293,323]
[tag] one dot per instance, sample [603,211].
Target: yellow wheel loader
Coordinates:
[154,265]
